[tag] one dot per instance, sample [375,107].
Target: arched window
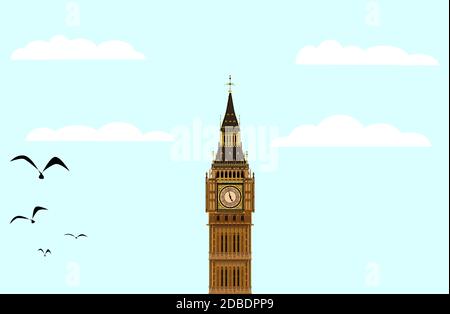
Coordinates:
[226,277]
[234,277]
[238,277]
[217,275]
[242,174]
[226,243]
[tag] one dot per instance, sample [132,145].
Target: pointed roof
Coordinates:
[230,120]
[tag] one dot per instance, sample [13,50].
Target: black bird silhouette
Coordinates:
[35,210]
[76,237]
[52,162]
[45,253]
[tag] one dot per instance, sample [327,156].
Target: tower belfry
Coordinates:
[230,203]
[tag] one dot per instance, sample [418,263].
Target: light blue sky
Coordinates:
[322,214]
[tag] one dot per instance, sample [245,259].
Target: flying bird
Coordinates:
[52,162]
[76,237]
[45,253]
[35,210]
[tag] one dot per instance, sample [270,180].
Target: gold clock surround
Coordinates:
[225,192]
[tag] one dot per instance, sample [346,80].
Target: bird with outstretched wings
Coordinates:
[35,210]
[76,237]
[52,162]
[45,253]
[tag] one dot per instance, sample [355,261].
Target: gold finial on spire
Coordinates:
[230,83]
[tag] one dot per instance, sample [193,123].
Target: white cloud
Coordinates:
[345,131]
[61,48]
[112,132]
[331,52]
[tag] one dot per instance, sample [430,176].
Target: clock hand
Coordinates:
[229,196]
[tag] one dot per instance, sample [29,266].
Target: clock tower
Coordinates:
[230,202]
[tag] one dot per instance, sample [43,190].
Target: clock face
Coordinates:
[230,197]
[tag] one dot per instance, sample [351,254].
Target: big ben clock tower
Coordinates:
[230,202]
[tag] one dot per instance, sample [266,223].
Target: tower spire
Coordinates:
[230,146]
[230,118]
